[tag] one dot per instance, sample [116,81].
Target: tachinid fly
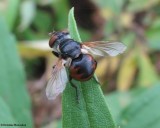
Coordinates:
[77,58]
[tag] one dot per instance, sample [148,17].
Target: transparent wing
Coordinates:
[102,48]
[58,81]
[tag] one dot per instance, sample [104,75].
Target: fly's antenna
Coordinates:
[51,33]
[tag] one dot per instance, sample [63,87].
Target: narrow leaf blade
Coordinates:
[72,26]
[91,111]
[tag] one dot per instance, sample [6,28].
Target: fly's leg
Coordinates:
[68,63]
[56,54]
[76,88]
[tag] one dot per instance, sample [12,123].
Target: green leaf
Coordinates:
[152,35]
[91,111]
[41,26]
[140,5]
[5,114]
[12,78]
[10,12]
[118,101]
[73,27]
[144,111]
[61,8]
[27,10]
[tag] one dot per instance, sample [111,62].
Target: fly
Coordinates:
[77,58]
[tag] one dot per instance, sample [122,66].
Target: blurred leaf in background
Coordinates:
[143,112]
[147,74]
[127,72]
[16,105]
[9,10]
[5,114]
[152,35]
[27,10]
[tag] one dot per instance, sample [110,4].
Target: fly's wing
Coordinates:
[102,48]
[58,81]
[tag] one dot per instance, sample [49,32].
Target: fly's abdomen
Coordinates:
[83,67]
[70,48]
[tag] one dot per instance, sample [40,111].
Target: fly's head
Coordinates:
[57,37]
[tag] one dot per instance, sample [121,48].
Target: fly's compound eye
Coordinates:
[52,40]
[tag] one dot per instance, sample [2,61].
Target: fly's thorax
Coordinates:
[56,46]
[70,48]
[64,46]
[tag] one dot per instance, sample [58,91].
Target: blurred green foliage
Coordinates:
[131,79]
[137,108]
[15,102]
